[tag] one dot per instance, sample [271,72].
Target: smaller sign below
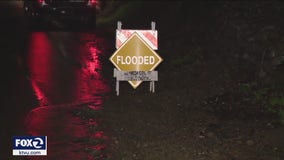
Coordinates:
[136,75]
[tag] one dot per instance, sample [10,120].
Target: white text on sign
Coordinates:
[135,60]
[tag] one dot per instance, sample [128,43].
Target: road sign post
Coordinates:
[135,58]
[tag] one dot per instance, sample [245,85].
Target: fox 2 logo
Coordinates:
[29,142]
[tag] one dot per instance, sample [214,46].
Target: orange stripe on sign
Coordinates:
[151,38]
[118,43]
[123,35]
[126,33]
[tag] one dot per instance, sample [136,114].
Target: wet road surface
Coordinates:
[64,75]
[51,74]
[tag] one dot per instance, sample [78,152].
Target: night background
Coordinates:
[220,93]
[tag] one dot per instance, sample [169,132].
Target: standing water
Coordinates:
[65,72]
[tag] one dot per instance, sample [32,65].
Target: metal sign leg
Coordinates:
[117,87]
[152,86]
[153,82]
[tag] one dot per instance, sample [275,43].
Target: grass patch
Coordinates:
[187,59]
[116,12]
[272,99]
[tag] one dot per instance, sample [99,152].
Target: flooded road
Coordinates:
[66,67]
[65,73]
[50,76]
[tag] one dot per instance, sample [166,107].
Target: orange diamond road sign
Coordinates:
[135,55]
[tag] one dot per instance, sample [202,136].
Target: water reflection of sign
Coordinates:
[135,57]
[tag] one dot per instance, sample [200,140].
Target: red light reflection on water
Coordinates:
[39,94]
[40,51]
[89,79]
[54,82]
[61,89]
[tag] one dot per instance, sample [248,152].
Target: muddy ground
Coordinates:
[222,69]
[189,117]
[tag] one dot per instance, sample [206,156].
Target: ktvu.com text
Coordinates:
[29,145]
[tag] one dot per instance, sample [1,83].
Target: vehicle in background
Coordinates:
[83,10]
